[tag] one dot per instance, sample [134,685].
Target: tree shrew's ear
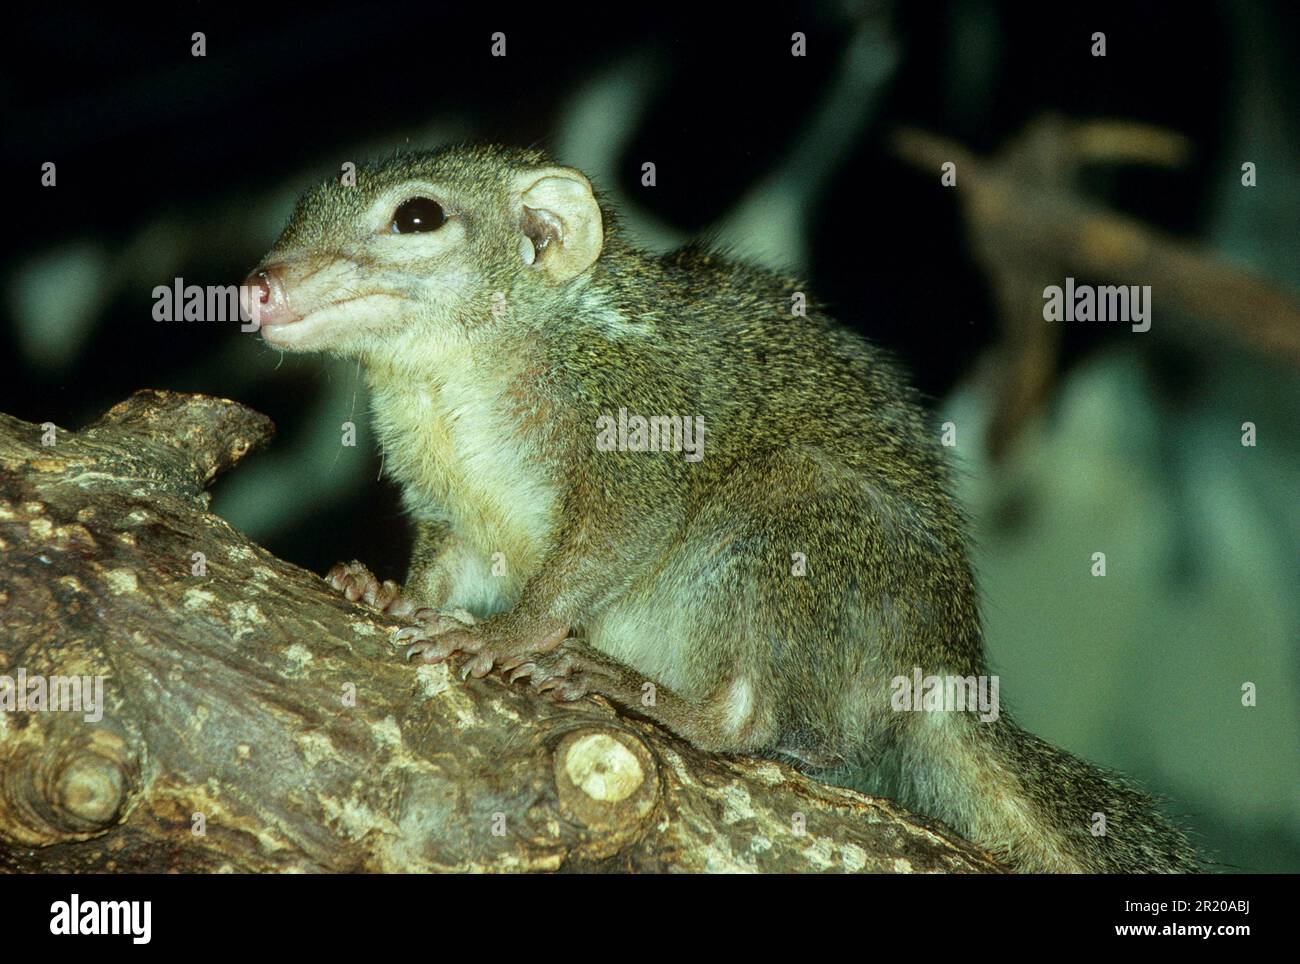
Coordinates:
[561,219]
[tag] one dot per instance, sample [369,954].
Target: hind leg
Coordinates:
[762,629]
[720,641]
[723,720]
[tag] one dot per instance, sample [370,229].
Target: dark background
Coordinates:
[174,165]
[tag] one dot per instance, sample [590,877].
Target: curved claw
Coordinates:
[408,632]
[434,649]
[478,667]
[520,671]
[421,649]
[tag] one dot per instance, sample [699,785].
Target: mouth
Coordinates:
[313,328]
[287,334]
[300,330]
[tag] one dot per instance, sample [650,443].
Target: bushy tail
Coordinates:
[1037,808]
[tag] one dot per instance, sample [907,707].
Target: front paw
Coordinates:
[497,642]
[437,634]
[569,672]
[358,584]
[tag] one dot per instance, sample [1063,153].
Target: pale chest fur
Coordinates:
[459,455]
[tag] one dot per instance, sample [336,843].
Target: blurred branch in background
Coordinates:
[1030,226]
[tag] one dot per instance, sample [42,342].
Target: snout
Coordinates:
[264,298]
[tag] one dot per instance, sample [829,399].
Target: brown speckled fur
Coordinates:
[679,573]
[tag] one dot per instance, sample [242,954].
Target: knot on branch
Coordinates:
[606,781]
[73,784]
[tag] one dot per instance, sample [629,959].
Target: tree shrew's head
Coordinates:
[425,250]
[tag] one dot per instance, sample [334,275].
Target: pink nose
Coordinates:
[264,299]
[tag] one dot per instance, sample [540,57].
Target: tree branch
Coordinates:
[254,720]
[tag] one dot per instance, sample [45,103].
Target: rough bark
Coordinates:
[253,720]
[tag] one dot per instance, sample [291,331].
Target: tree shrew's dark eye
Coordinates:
[418,214]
